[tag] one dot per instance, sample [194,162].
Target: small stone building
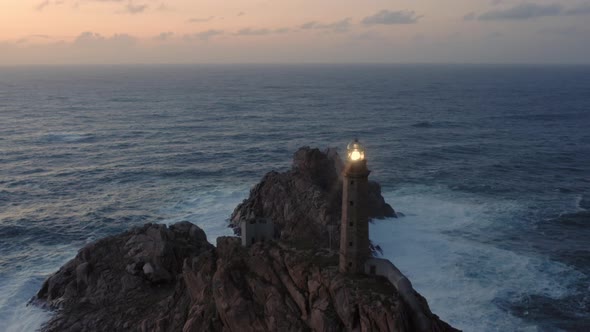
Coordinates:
[256,230]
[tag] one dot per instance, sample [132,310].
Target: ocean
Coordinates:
[490,164]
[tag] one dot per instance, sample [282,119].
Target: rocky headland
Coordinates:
[305,200]
[159,278]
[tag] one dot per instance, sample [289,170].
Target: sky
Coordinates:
[294,31]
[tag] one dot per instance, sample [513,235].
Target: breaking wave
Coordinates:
[468,283]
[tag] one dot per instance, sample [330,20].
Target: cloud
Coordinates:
[308,25]
[34,40]
[260,32]
[46,3]
[164,8]
[522,11]
[91,40]
[389,17]
[122,39]
[368,36]
[282,30]
[164,36]
[199,20]
[135,9]
[88,38]
[42,5]
[204,35]
[527,11]
[253,32]
[338,26]
[241,14]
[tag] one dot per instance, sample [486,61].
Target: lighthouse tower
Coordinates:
[354,228]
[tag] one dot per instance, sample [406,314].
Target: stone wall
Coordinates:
[385,268]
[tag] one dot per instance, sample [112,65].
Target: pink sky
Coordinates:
[293,31]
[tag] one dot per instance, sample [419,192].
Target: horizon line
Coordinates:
[293,64]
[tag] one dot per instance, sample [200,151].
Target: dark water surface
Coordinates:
[490,164]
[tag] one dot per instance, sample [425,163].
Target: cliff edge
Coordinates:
[305,200]
[159,278]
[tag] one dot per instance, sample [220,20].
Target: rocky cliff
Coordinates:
[158,278]
[155,278]
[131,281]
[303,201]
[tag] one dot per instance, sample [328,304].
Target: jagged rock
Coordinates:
[304,200]
[123,282]
[267,287]
[158,278]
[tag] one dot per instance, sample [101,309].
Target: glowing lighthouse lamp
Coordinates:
[354,227]
[355,151]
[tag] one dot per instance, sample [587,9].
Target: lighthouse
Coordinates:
[354,227]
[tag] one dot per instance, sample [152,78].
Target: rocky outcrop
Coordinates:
[274,287]
[132,281]
[303,201]
[158,278]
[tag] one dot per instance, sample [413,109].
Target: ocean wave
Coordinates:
[19,317]
[209,208]
[124,100]
[422,124]
[582,203]
[464,278]
[67,138]
[440,124]
[497,160]
[544,117]
[17,289]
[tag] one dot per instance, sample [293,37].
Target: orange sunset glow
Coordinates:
[185,31]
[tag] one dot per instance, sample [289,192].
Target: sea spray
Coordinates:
[465,281]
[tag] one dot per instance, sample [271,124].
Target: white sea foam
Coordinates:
[464,279]
[461,278]
[209,209]
[25,318]
[65,137]
[16,291]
